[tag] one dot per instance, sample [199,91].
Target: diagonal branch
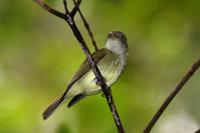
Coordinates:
[100,80]
[87,26]
[65,6]
[75,9]
[69,18]
[49,9]
[168,100]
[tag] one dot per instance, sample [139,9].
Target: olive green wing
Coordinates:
[85,67]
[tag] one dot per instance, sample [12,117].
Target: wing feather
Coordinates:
[85,67]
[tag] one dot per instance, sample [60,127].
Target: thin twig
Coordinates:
[74,10]
[69,18]
[65,6]
[87,26]
[168,100]
[49,9]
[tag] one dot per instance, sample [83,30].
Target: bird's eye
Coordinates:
[110,34]
[123,37]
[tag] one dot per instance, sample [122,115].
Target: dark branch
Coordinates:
[87,26]
[49,9]
[106,90]
[75,9]
[65,7]
[168,100]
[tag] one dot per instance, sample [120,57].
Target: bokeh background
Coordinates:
[38,55]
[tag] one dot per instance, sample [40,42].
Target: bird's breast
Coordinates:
[110,67]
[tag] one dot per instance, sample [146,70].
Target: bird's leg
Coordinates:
[96,81]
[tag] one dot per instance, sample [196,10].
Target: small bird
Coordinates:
[111,62]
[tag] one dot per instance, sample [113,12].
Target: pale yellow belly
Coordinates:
[87,84]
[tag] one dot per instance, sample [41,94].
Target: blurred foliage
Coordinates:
[38,54]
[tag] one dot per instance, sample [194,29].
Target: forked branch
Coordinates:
[87,26]
[69,18]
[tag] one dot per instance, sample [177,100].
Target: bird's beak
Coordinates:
[110,35]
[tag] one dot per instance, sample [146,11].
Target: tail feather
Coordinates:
[53,107]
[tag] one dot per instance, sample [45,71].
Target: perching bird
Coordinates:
[111,62]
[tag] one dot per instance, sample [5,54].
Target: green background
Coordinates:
[38,55]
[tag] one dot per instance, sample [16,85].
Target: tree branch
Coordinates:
[65,6]
[168,100]
[87,26]
[49,9]
[69,18]
[75,9]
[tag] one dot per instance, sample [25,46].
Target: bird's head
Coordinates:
[117,42]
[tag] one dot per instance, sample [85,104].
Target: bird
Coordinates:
[111,62]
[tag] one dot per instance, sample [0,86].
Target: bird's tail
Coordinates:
[53,107]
